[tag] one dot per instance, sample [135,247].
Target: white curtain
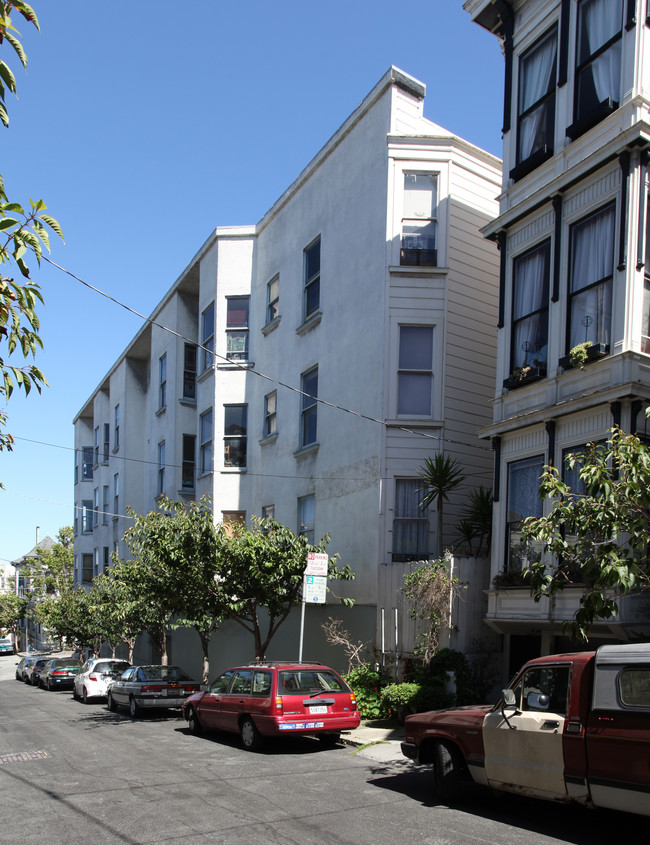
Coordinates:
[537,73]
[529,335]
[602,19]
[592,260]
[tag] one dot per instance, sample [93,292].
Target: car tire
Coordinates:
[251,738]
[329,740]
[134,710]
[84,695]
[447,774]
[49,685]
[112,706]
[193,722]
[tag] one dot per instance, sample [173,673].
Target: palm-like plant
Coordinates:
[440,474]
[478,512]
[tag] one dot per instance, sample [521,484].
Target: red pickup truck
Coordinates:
[570,727]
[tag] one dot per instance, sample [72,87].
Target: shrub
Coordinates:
[399,699]
[366,685]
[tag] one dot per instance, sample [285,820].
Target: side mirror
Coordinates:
[537,701]
[508,697]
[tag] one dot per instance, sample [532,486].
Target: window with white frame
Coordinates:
[530,283]
[311,295]
[205,442]
[590,279]
[419,221]
[273,299]
[536,101]
[207,338]
[415,371]
[270,414]
[161,468]
[189,461]
[86,516]
[307,517]
[598,59]
[411,528]
[268,512]
[237,328]
[234,436]
[116,429]
[162,382]
[308,407]
[524,478]
[189,371]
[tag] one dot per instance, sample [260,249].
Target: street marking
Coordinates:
[22,756]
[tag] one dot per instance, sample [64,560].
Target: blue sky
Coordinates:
[145,125]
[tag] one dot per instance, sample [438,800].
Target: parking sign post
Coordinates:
[314,588]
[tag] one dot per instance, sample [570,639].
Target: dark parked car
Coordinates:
[23,663]
[275,699]
[150,686]
[33,670]
[59,673]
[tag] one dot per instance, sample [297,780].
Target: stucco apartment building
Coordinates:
[573,236]
[314,360]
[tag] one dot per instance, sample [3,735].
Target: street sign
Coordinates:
[314,589]
[316,564]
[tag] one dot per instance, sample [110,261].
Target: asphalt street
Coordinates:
[73,773]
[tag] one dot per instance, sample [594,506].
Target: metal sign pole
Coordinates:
[302,629]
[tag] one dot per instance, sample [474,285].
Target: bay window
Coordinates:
[590,283]
[411,526]
[207,337]
[419,223]
[536,106]
[205,442]
[415,371]
[524,478]
[235,436]
[529,340]
[237,328]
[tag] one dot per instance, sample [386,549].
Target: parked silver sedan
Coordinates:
[150,686]
[95,677]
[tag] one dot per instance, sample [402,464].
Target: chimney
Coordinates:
[38,531]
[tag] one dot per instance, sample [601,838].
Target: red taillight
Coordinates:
[278,705]
[147,688]
[353,701]
[59,672]
[92,677]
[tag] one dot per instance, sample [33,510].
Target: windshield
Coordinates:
[310,680]
[164,673]
[109,666]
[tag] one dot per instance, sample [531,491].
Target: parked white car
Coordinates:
[96,675]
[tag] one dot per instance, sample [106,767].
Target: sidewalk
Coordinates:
[375,730]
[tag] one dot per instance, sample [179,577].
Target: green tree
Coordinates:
[440,475]
[13,609]
[68,617]
[597,536]
[430,589]
[51,571]
[23,230]
[117,611]
[262,567]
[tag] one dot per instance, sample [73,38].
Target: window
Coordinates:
[162,385]
[189,372]
[306,517]
[86,568]
[189,461]
[312,279]
[544,689]
[116,495]
[634,687]
[529,341]
[105,504]
[590,283]
[270,414]
[116,429]
[268,512]
[523,500]
[95,562]
[86,516]
[411,527]
[207,338]
[237,328]
[205,435]
[96,506]
[419,224]
[96,458]
[231,520]
[598,61]
[107,560]
[536,107]
[273,299]
[234,436]
[161,468]
[107,442]
[308,407]
[415,375]
[87,463]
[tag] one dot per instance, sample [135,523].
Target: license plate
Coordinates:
[319,709]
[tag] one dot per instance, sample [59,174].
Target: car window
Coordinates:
[261,683]
[86,666]
[128,675]
[544,689]
[309,680]
[221,684]
[242,683]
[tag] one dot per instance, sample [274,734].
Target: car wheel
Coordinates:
[329,740]
[112,706]
[49,685]
[134,710]
[447,774]
[250,736]
[84,695]
[193,722]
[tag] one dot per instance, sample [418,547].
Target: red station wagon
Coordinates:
[275,699]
